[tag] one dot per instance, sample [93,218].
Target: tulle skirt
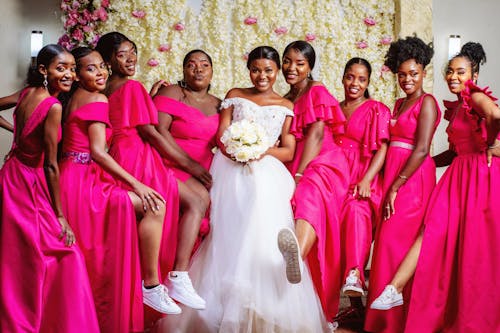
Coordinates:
[239,269]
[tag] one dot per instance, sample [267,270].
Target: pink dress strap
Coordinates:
[95,111]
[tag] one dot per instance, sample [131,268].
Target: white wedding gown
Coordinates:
[239,270]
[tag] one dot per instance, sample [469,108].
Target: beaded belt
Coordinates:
[78,157]
[402,144]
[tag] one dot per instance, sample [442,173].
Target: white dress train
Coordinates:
[238,269]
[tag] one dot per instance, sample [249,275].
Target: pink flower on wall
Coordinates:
[250,20]
[164,47]
[310,37]
[138,13]
[280,30]
[245,56]
[100,14]
[386,40]
[153,62]
[77,35]
[384,69]
[105,3]
[361,44]
[369,21]
[179,26]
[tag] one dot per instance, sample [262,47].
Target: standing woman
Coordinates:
[115,243]
[321,174]
[455,288]
[44,282]
[188,114]
[139,148]
[364,144]
[409,176]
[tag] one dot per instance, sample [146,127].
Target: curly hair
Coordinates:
[402,50]
[474,52]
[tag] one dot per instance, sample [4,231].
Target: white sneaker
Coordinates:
[158,299]
[289,248]
[388,299]
[181,289]
[352,286]
[332,326]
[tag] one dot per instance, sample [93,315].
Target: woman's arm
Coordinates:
[487,109]
[97,136]
[51,169]
[5,124]
[286,149]
[6,103]
[425,130]
[363,188]
[312,145]
[168,151]
[445,158]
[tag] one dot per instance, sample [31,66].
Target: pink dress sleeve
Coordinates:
[131,106]
[377,132]
[96,111]
[169,105]
[315,105]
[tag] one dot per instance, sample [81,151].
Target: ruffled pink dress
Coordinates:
[131,106]
[44,284]
[103,219]
[366,130]
[321,191]
[195,133]
[456,286]
[395,236]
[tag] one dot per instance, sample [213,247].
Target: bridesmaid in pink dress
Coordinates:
[455,287]
[114,243]
[321,174]
[44,284]
[364,144]
[188,114]
[409,176]
[140,149]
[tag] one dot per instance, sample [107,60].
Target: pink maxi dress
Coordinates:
[195,133]
[321,191]
[456,286]
[44,284]
[365,132]
[103,219]
[395,236]
[131,106]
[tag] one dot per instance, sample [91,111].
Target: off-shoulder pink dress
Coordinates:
[44,284]
[103,219]
[321,191]
[365,131]
[131,106]
[395,236]
[195,133]
[456,286]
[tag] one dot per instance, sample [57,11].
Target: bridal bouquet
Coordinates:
[245,140]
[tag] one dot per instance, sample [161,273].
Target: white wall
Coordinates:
[17,19]
[475,21]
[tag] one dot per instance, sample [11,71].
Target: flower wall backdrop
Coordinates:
[165,30]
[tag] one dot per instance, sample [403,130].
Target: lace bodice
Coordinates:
[271,117]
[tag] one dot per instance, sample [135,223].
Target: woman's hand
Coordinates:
[66,232]
[493,150]
[156,86]
[389,207]
[150,198]
[202,175]
[362,189]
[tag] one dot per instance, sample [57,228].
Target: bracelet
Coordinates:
[403,177]
[298,174]
[494,145]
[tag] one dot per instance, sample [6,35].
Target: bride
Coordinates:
[239,270]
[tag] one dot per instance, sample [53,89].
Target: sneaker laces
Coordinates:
[163,291]
[352,278]
[388,294]
[186,282]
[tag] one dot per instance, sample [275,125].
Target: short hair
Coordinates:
[110,43]
[264,52]
[362,62]
[411,47]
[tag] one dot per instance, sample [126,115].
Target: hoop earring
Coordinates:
[45,82]
[182,84]
[309,76]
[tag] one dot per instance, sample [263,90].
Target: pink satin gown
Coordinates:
[44,284]
[103,219]
[366,130]
[395,236]
[456,286]
[321,191]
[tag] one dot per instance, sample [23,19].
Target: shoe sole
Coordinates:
[151,305]
[387,306]
[180,299]
[353,291]
[288,246]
